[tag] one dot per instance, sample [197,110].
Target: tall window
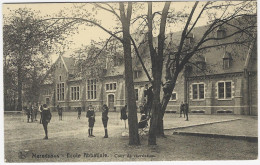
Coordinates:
[92,89]
[198,91]
[111,87]
[136,94]
[60,91]
[224,90]
[174,96]
[46,92]
[74,93]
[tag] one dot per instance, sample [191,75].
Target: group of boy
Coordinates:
[32,111]
[91,119]
[184,108]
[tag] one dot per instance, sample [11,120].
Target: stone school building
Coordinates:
[227,83]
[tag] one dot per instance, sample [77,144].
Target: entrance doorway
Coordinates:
[47,101]
[111,101]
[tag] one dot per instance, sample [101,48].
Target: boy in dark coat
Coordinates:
[59,111]
[46,118]
[186,110]
[27,113]
[79,112]
[105,119]
[182,109]
[143,121]
[91,119]
[123,114]
[148,93]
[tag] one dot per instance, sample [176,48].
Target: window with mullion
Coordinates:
[111,86]
[194,91]
[201,91]
[75,93]
[92,89]
[228,90]
[198,91]
[224,90]
[60,91]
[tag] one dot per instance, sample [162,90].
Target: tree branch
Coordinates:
[140,59]
[150,32]
[111,10]
[197,18]
[184,34]
[88,21]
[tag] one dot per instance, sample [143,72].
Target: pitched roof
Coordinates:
[115,71]
[69,63]
[251,59]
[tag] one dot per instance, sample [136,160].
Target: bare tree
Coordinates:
[176,56]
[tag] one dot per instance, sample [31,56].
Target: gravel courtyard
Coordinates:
[68,141]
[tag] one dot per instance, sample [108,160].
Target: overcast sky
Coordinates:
[86,34]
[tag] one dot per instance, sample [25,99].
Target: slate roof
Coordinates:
[213,56]
[116,71]
[69,62]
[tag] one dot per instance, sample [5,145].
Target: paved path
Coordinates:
[233,125]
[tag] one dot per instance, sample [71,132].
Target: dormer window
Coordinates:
[221,32]
[117,60]
[137,73]
[201,63]
[226,63]
[189,39]
[227,60]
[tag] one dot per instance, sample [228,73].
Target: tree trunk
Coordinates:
[160,126]
[157,65]
[19,88]
[156,107]
[130,93]
[164,104]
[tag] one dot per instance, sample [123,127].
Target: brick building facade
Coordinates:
[226,82]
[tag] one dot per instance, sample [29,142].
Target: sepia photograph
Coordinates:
[129,81]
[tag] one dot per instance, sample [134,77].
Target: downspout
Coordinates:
[248,99]
[249,93]
[246,75]
[186,95]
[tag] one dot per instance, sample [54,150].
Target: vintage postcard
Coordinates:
[128,81]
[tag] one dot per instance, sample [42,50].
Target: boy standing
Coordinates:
[91,119]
